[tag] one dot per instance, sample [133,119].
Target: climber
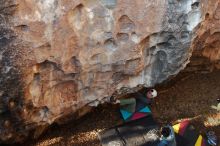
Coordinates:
[130,103]
[167,136]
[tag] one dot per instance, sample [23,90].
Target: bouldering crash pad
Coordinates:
[141,132]
[128,116]
[135,108]
[145,132]
[186,135]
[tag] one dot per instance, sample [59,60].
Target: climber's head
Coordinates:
[152,93]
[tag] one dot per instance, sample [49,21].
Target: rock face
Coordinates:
[206,45]
[58,56]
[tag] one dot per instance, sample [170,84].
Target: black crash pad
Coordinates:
[142,132]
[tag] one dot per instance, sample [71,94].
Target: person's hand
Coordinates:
[113,100]
[117,101]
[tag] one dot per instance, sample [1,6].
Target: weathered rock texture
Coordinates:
[58,56]
[206,45]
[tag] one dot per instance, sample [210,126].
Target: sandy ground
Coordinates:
[188,96]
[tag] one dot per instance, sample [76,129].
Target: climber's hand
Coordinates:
[113,100]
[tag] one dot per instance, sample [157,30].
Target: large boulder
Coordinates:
[206,43]
[59,57]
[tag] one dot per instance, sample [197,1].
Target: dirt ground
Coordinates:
[188,96]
